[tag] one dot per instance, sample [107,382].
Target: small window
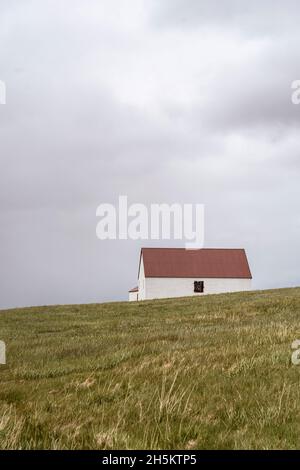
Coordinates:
[199,287]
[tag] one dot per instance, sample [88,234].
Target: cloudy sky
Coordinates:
[168,101]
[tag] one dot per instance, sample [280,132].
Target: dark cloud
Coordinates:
[256,18]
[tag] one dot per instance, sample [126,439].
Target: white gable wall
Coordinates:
[142,282]
[163,287]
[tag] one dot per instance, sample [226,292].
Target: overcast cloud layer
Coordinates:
[164,101]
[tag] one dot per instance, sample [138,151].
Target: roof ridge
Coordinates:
[187,249]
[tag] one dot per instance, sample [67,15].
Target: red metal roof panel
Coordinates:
[205,263]
[134,289]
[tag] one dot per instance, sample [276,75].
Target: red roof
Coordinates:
[135,289]
[205,263]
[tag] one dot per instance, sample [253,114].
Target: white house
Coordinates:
[178,272]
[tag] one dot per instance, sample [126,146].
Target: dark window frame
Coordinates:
[198,287]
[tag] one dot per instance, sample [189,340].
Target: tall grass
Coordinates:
[210,372]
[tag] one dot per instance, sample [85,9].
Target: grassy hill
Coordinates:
[210,372]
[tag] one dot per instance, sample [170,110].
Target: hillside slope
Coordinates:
[210,372]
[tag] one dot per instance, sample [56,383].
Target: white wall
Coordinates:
[142,282]
[158,288]
[133,296]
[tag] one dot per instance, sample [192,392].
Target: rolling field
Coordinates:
[192,373]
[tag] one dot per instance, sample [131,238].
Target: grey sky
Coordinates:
[164,101]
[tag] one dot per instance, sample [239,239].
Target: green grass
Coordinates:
[194,373]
